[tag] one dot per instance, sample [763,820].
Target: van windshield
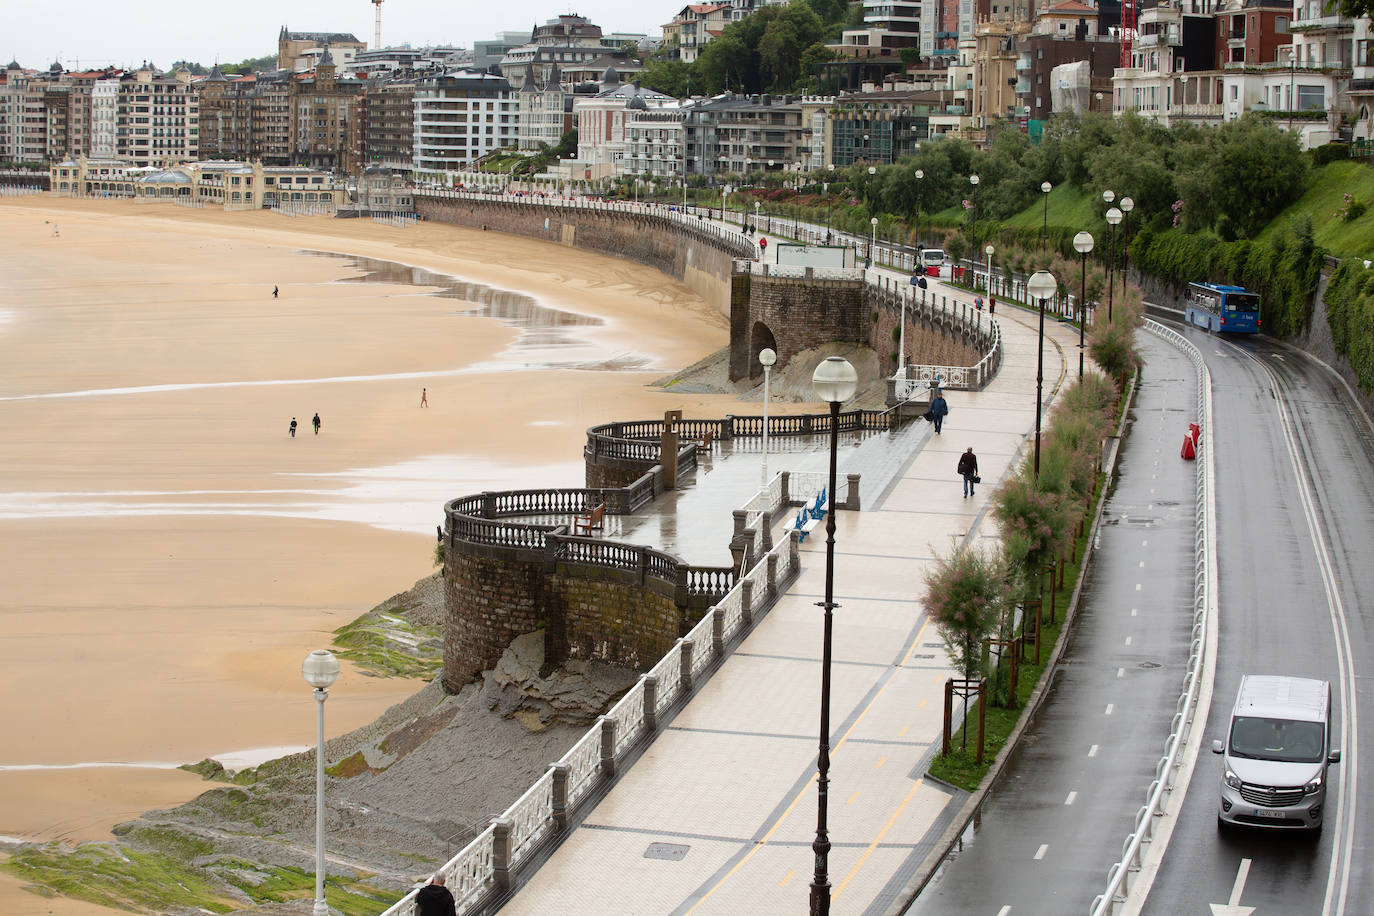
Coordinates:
[1277,739]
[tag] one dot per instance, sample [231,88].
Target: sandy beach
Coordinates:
[170,553]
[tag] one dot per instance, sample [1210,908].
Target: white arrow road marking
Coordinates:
[1233,907]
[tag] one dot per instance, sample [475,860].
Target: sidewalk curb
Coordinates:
[932,862]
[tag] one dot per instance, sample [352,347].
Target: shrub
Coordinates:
[968,596]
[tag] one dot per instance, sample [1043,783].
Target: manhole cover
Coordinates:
[1149,664]
[672,852]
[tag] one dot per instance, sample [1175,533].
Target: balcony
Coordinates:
[1323,24]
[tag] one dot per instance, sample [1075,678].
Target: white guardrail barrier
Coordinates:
[486,864]
[1119,889]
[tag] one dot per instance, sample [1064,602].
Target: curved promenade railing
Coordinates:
[640,441]
[485,518]
[1204,611]
[487,866]
[693,221]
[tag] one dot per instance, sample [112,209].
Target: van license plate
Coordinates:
[1270,812]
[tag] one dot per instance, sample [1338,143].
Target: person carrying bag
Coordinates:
[968,469]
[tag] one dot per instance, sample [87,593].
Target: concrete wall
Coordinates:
[700,260]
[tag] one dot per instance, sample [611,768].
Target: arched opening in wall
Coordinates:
[760,338]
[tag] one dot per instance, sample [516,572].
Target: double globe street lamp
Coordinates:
[767,357]
[1113,220]
[1042,286]
[1082,243]
[834,382]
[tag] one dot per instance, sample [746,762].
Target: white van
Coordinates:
[932,257]
[1276,753]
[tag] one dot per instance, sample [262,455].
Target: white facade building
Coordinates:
[459,118]
[104,118]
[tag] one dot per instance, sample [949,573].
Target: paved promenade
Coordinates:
[719,813]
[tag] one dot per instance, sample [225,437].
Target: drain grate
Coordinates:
[1149,664]
[671,852]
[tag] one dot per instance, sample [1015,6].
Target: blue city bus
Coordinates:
[1232,309]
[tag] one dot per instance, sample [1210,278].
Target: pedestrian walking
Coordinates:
[293,427]
[938,410]
[274,292]
[424,397]
[978,303]
[992,304]
[316,422]
[434,899]
[968,469]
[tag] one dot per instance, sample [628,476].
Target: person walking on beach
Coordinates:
[274,292]
[434,899]
[316,422]
[938,410]
[424,397]
[293,427]
[968,469]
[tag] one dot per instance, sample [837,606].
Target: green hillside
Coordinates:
[1323,201]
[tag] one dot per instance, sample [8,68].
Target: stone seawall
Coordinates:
[701,260]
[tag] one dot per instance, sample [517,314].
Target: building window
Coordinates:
[1311,98]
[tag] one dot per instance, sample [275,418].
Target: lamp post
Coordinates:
[320,669]
[756,216]
[872,253]
[920,173]
[1127,205]
[1107,197]
[1113,219]
[1082,243]
[1045,189]
[767,357]
[973,211]
[724,193]
[1041,286]
[988,251]
[834,382]
[872,171]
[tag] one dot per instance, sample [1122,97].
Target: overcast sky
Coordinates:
[98,32]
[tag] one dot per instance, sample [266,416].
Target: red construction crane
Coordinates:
[1127,31]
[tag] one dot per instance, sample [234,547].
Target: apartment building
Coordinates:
[695,26]
[300,51]
[602,123]
[326,118]
[389,125]
[158,118]
[459,118]
[1066,33]
[572,44]
[104,117]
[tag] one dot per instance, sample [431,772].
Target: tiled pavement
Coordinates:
[718,814]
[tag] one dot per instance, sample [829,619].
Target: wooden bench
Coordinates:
[592,520]
[706,441]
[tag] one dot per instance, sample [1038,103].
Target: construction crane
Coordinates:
[1128,31]
[377,37]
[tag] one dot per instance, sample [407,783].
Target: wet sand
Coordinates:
[170,554]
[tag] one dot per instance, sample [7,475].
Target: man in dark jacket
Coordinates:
[938,409]
[434,899]
[968,469]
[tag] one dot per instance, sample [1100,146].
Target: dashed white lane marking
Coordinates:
[1133,612]
[1071,796]
[1144,543]
[1128,639]
[1109,708]
[1142,564]
[1137,586]
[1092,751]
[1120,672]
[1039,854]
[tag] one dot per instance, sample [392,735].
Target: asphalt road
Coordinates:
[1054,824]
[1295,503]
